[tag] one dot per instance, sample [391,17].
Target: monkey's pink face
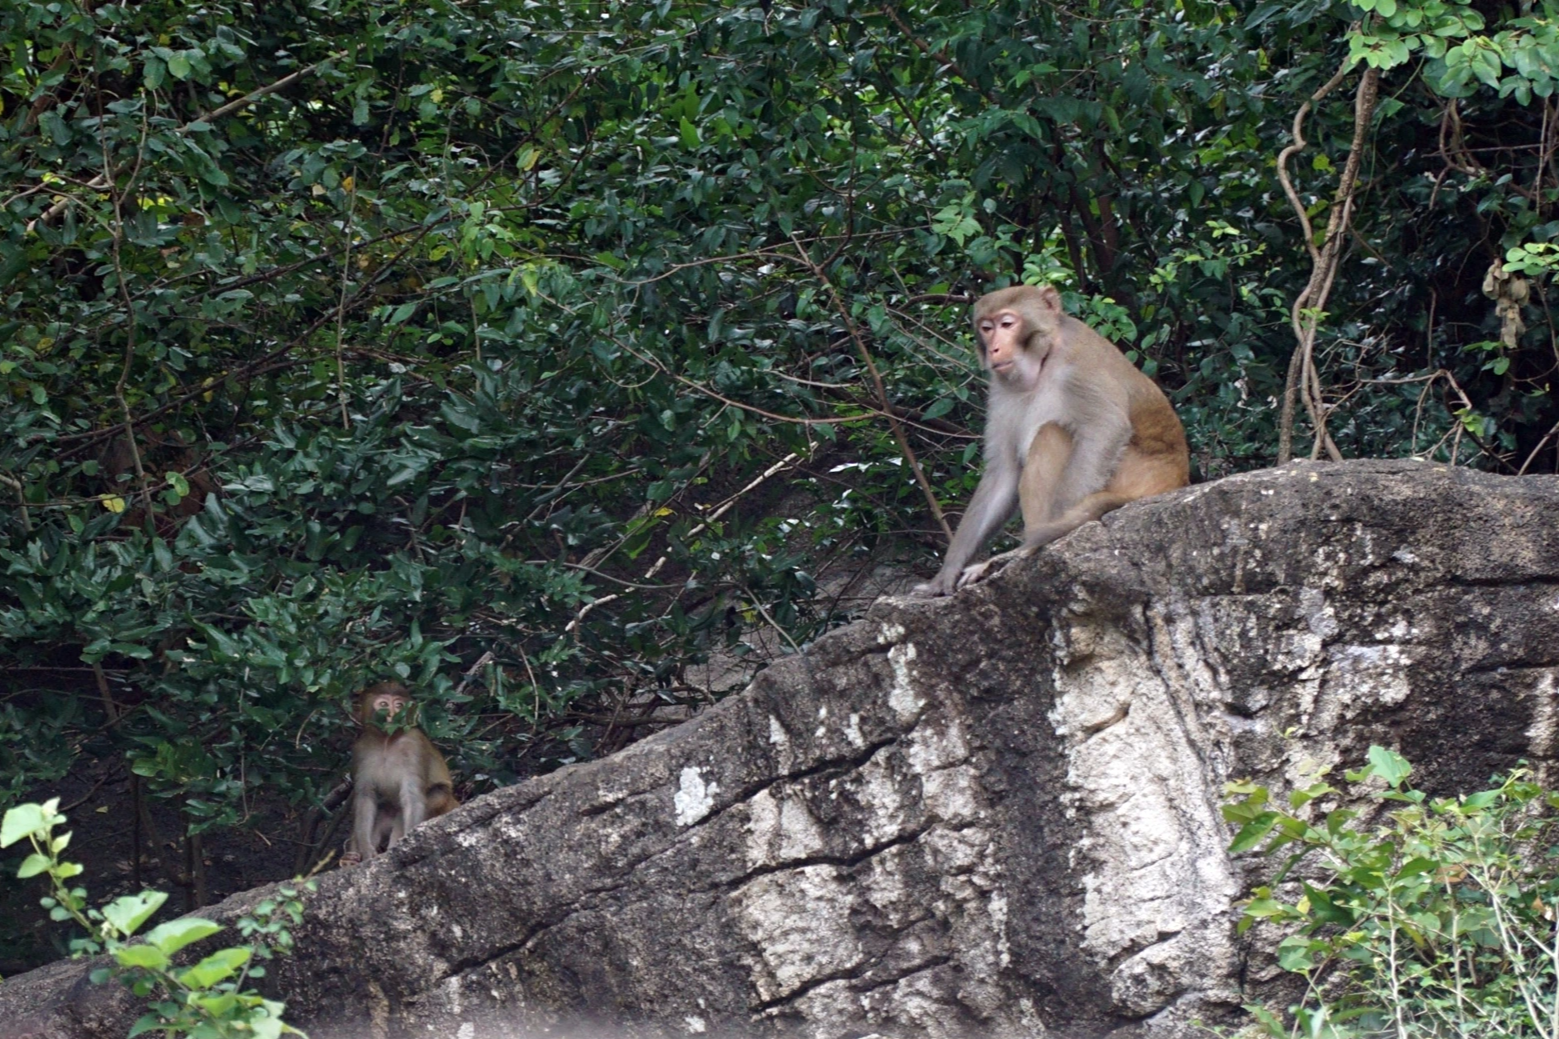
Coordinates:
[1004,336]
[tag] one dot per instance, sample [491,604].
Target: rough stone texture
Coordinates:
[995,814]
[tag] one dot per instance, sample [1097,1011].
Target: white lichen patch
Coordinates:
[1295,651]
[852,731]
[997,906]
[902,697]
[889,634]
[1153,977]
[694,798]
[1545,717]
[950,794]
[886,889]
[931,747]
[962,851]
[695,1025]
[1153,855]
[1370,674]
[780,828]
[892,810]
[454,1001]
[779,739]
[798,925]
[1321,618]
[1543,732]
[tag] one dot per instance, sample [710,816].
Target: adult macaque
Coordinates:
[398,780]
[1072,430]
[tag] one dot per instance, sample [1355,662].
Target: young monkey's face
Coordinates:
[388,703]
[383,706]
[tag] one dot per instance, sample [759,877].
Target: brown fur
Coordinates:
[398,780]
[1073,430]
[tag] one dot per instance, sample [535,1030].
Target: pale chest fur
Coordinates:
[400,755]
[1046,402]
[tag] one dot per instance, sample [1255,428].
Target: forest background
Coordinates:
[571,360]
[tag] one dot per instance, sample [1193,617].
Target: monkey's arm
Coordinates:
[365,806]
[414,785]
[1097,442]
[992,505]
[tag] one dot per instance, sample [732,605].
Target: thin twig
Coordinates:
[764,613]
[720,510]
[346,273]
[886,408]
[101,181]
[1540,445]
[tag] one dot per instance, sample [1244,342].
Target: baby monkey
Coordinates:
[1072,430]
[397,780]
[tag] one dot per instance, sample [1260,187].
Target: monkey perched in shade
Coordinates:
[1072,430]
[398,780]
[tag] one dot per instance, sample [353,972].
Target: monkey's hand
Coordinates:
[942,584]
[994,565]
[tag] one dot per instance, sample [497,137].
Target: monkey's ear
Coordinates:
[1050,299]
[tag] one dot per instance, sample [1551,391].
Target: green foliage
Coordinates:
[530,352]
[206,1000]
[1413,915]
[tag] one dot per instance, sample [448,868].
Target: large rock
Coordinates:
[995,814]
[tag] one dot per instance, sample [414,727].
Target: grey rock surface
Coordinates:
[991,815]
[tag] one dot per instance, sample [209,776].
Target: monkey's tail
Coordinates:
[441,799]
[1089,509]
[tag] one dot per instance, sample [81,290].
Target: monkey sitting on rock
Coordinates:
[398,779]
[1072,430]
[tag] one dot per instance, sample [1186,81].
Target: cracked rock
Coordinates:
[991,815]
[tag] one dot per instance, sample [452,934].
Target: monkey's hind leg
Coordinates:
[1043,468]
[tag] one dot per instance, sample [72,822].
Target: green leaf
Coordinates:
[1486,66]
[129,912]
[32,865]
[1297,954]
[178,65]
[938,408]
[174,935]
[145,1023]
[148,956]
[1253,832]
[19,822]
[217,967]
[1481,800]
[1389,765]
